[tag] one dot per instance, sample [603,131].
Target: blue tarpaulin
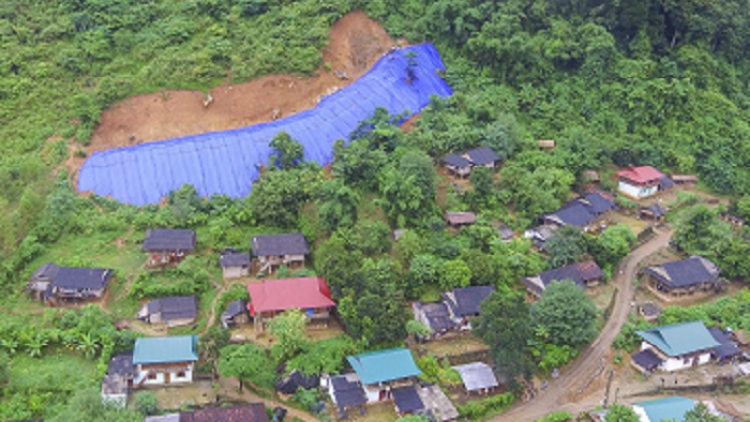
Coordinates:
[227,162]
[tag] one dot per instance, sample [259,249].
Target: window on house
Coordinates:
[152,375]
[181,374]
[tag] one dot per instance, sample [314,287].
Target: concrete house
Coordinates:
[382,371]
[458,165]
[674,347]
[167,246]
[275,250]
[164,360]
[272,297]
[171,311]
[55,284]
[684,277]
[639,182]
[585,274]
[235,264]
[118,380]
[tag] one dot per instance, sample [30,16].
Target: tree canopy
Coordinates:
[567,313]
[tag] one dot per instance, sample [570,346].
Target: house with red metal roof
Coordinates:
[639,182]
[272,297]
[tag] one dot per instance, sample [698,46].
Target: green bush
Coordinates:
[481,409]
[557,416]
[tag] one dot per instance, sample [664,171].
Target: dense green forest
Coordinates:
[645,82]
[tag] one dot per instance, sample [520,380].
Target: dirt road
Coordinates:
[572,391]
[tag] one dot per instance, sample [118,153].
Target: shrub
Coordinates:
[477,410]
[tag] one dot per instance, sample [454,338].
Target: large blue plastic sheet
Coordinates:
[227,162]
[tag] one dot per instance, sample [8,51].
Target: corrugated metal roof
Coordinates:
[669,408]
[680,339]
[165,349]
[384,365]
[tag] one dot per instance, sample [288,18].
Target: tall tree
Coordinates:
[288,330]
[565,247]
[567,313]
[620,413]
[247,362]
[504,324]
[289,152]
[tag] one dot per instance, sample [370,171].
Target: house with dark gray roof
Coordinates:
[458,165]
[407,401]
[346,392]
[435,315]
[482,156]
[652,212]
[727,349]
[583,212]
[684,277]
[167,246]
[236,314]
[118,380]
[234,264]
[464,303]
[254,412]
[171,311]
[676,346]
[275,250]
[54,284]
[585,274]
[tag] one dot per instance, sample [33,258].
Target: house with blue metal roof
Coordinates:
[685,277]
[165,360]
[663,410]
[676,346]
[383,370]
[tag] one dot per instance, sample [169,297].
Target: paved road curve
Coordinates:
[561,393]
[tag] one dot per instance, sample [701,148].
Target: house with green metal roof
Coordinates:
[382,370]
[676,346]
[662,410]
[164,360]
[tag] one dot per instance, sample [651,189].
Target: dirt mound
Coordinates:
[355,43]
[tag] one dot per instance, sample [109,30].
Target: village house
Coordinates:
[458,165]
[234,264]
[478,377]
[164,360]
[506,234]
[727,350]
[464,303]
[272,297]
[171,311]
[684,277]
[436,316]
[482,156]
[236,314]
[275,250]
[383,370]
[652,212]
[294,380]
[118,380]
[461,165]
[585,274]
[674,347]
[254,412]
[583,212]
[539,235]
[459,219]
[55,284]
[167,246]
[639,182]
[346,392]
[665,409]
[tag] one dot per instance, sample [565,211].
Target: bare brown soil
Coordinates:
[356,42]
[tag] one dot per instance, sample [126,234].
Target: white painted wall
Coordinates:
[373,393]
[641,412]
[678,363]
[635,191]
[159,379]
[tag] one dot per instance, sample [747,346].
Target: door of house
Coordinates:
[166,378]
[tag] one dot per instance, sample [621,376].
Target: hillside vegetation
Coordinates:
[646,82]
